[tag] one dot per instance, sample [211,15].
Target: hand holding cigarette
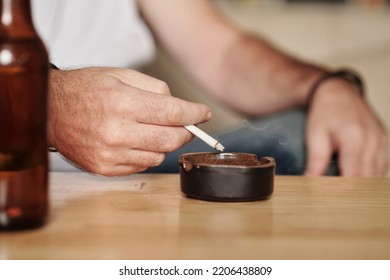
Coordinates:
[113,121]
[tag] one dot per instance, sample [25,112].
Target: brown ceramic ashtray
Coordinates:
[226,176]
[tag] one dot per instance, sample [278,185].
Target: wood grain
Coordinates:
[146,217]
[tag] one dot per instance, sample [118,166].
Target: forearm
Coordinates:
[256,78]
[243,71]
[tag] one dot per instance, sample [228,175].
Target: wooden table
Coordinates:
[147,217]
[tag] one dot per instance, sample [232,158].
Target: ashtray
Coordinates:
[226,176]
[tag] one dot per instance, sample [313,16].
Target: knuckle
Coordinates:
[109,139]
[108,173]
[111,106]
[105,162]
[103,169]
[103,157]
[355,132]
[149,160]
[175,113]
[169,141]
[109,135]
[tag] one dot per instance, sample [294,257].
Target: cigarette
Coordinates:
[205,137]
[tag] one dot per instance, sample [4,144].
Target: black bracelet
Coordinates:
[345,74]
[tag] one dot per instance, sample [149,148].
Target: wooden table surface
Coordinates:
[146,217]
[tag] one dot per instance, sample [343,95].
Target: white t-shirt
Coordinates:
[80,33]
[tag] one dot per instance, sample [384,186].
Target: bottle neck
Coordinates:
[15,18]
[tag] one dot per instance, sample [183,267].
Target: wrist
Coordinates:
[343,74]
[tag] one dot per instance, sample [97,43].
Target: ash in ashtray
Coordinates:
[231,159]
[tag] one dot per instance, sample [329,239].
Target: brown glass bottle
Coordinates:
[23,117]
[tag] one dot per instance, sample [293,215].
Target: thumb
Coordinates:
[319,152]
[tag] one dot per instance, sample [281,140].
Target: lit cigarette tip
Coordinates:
[205,137]
[219,147]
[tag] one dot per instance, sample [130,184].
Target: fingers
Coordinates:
[144,137]
[139,102]
[159,138]
[375,154]
[110,161]
[358,153]
[369,164]
[131,148]
[167,110]
[163,108]
[119,162]
[382,154]
[364,150]
[141,81]
[351,150]
[319,152]
[383,159]
[351,129]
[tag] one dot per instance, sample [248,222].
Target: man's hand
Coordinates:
[341,122]
[113,121]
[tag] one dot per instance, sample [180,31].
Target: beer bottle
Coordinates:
[23,117]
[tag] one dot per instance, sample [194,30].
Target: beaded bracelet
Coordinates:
[345,74]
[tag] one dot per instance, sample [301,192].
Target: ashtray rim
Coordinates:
[188,164]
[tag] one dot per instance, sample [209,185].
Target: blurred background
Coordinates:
[334,33]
